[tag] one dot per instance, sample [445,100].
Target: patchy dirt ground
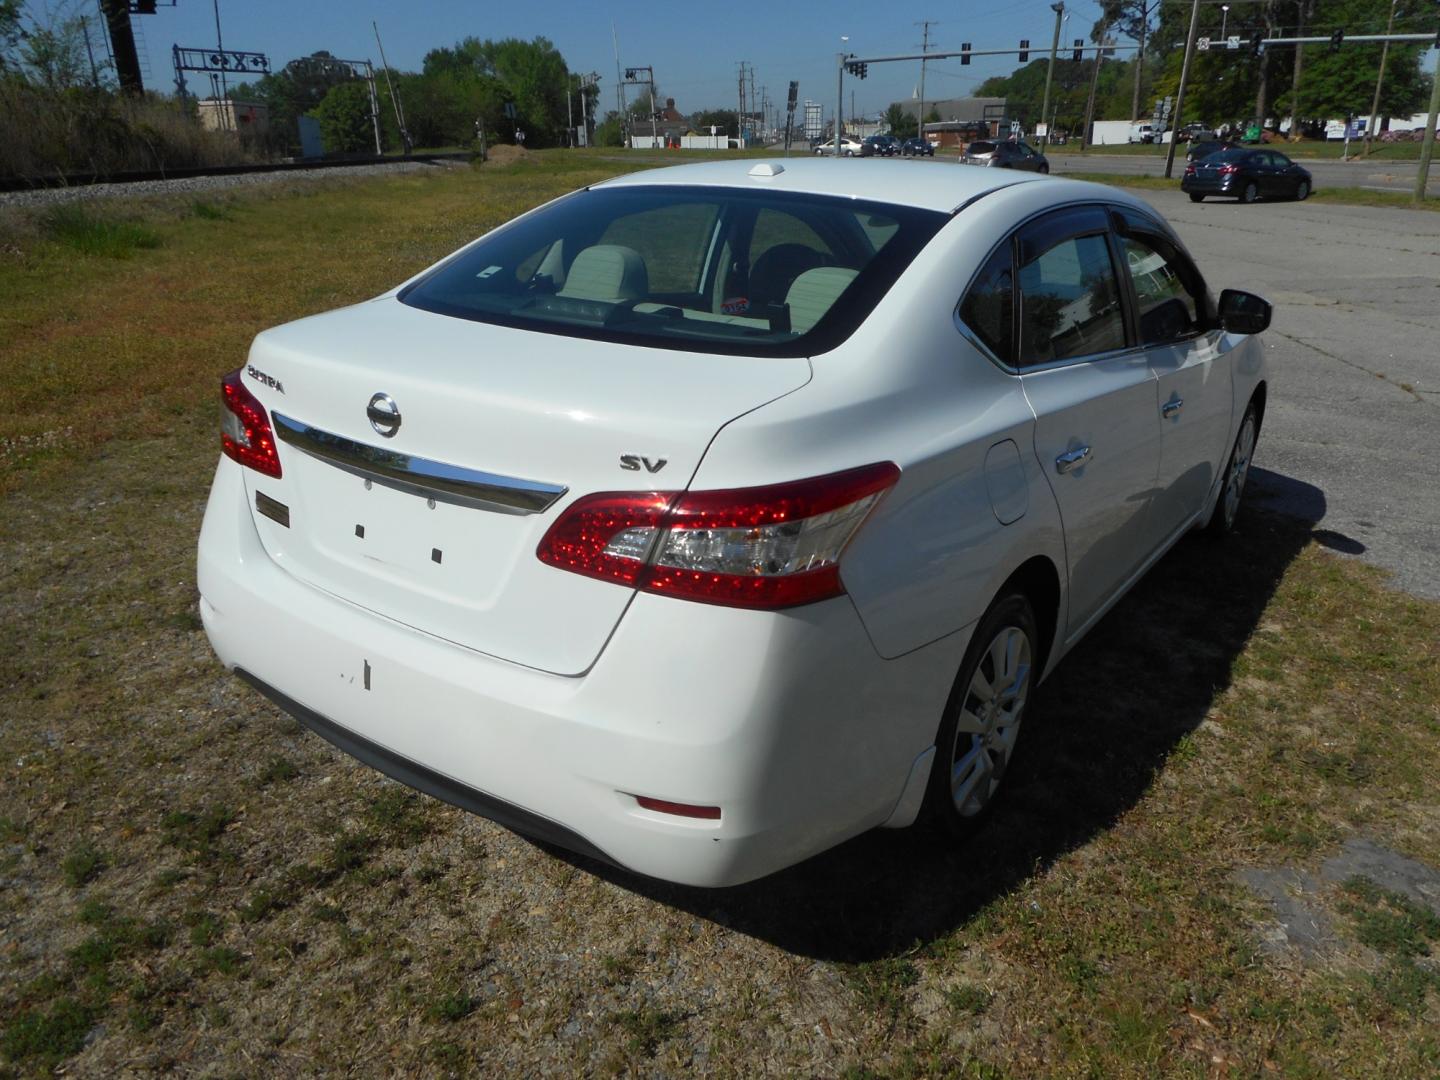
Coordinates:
[191,883]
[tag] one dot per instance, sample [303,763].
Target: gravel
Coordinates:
[193,184]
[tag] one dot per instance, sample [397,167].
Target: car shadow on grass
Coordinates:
[1099,731]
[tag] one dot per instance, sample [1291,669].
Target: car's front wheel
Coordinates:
[1237,471]
[1302,191]
[1249,193]
[1195,196]
[1044,170]
[976,742]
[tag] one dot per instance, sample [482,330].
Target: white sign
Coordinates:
[1233,41]
[1042,130]
[1203,44]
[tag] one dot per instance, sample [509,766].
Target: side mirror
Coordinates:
[1243,312]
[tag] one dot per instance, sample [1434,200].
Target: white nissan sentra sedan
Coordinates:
[709,516]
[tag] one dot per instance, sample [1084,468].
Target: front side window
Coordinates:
[1069,302]
[1166,309]
[702,269]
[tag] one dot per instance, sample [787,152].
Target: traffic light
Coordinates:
[1024,50]
[1335,39]
[1257,42]
[1079,52]
[629,74]
[857,68]
[964,52]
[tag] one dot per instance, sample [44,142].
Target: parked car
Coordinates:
[1197,151]
[1247,175]
[689,522]
[917,147]
[1009,154]
[1191,132]
[881,146]
[848,147]
[1142,133]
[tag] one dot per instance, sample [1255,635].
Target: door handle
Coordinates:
[1072,458]
[1172,408]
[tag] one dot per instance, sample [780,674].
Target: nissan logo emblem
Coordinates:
[384,414]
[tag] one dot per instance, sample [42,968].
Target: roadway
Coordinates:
[1354,411]
[1378,175]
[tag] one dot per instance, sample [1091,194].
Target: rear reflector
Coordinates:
[679,809]
[765,547]
[245,432]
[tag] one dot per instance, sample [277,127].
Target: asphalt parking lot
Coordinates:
[1354,413]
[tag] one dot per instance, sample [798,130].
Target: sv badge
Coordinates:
[632,462]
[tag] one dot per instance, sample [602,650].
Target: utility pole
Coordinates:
[1059,9]
[1094,85]
[924,48]
[1380,80]
[1427,148]
[1179,113]
[1305,9]
[839,101]
[394,97]
[1145,10]
[740,112]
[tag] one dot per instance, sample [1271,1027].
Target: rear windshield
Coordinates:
[980,148]
[699,269]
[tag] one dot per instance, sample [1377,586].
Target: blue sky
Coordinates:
[694,48]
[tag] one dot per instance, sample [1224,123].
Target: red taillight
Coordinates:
[679,809]
[1226,170]
[245,432]
[768,547]
[1189,170]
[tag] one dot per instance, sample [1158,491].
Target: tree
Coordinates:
[533,74]
[344,117]
[297,88]
[724,121]
[11,33]
[901,124]
[1131,18]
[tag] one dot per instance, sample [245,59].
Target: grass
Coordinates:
[82,228]
[262,904]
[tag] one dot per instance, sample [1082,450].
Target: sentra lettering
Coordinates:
[269,380]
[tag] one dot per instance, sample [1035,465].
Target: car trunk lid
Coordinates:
[424,457]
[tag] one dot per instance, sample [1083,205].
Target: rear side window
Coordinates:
[988,309]
[1069,302]
[718,270]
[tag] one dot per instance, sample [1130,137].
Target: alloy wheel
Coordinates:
[1239,468]
[989,720]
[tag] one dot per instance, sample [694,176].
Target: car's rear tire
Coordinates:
[976,741]
[1302,191]
[1044,170]
[1249,193]
[1237,471]
[1195,196]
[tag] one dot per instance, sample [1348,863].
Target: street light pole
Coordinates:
[1179,113]
[839,97]
[1059,9]
[1380,80]
[1224,16]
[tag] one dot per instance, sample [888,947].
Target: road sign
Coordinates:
[1233,41]
[1203,44]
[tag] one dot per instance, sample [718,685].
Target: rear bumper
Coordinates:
[1224,186]
[790,722]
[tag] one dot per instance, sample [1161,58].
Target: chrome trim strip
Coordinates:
[420,476]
